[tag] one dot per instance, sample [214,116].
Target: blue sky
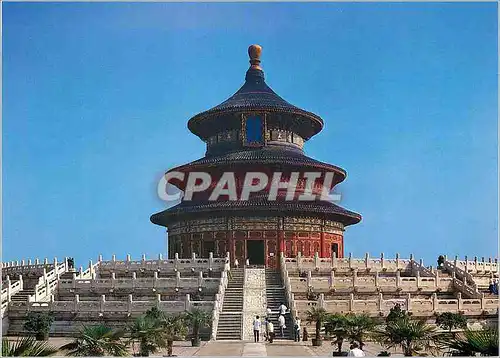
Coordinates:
[96,99]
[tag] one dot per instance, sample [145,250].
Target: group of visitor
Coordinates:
[269,333]
[493,288]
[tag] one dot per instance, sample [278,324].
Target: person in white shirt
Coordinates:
[355,351]
[236,263]
[227,268]
[296,333]
[282,308]
[281,322]
[256,329]
[247,263]
[270,331]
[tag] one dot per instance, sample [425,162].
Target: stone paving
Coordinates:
[248,349]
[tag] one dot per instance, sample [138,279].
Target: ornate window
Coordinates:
[253,129]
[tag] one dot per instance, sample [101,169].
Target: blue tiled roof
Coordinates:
[255,94]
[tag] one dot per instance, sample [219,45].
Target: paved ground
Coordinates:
[250,349]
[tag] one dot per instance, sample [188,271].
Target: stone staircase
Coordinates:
[229,327]
[275,295]
[23,295]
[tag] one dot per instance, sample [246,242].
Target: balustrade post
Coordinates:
[44,274]
[80,272]
[350,260]
[355,278]
[52,298]
[321,300]
[332,279]
[210,260]
[127,259]
[155,279]
[434,302]
[483,302]
[102,303]
[436,275]
[91,267]
[193,256]
[316,261]
[176,261]
[455,261]
[29,262]
[459,300]
[45,261]
[158,298]
[187,305]
[200,279]
[99,258]
[177,279]
[397,260]
[22,262]
[382,263]
[113,258]
[351,302]
[37,261]
[376,279]
[9,288]
[334,261]
[408,302]
[367,261]
[113,280]
[466,264]
[55,264]
[129,304]
[380,302]
[134,278]
[143,258]
[418,278]
[74,280]
[475,263]
[77,301]
[398,279]
[309,279]
[490,266]
[160,256]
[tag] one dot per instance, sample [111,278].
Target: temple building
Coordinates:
[256,130]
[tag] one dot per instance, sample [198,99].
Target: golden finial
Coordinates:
[254,52]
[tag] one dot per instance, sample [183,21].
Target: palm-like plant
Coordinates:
[318,316]
[337,325]
[411,335]
[26,347]
[450,320]
[175,328]
[197,319]
[470,342]
[359,326]
[147,330]
[97,340]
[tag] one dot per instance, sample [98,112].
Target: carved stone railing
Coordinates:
[288,289]
[102,306]
[173,265]
[327,264]
[12,288]
[47,283]
[19,267]
[370,283]
[209,284]
[475,266]
[418,306]
[219,301]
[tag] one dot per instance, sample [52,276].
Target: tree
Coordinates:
[39,324]
[337,325]
[468,343]
[175,329]
[359,326]
[147,330]
[411,335]
[197,319]
[97,340]
[317,316]
[450,320]
[26,346]
[395,313]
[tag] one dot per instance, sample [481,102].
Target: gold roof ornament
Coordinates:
[254,51]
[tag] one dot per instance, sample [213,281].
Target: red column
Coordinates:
[322,245]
